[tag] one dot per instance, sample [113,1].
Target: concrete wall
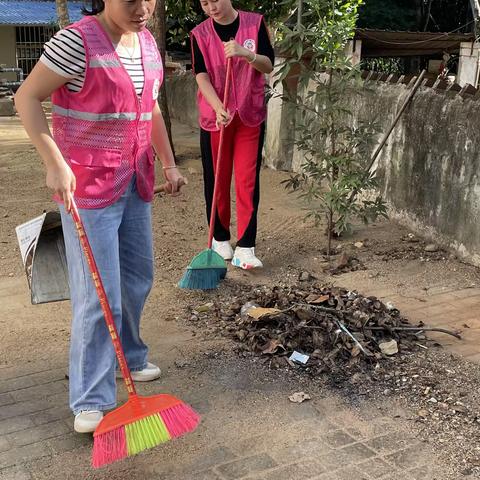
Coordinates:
[468,64]
[182,100]
[429,170]
[7,51]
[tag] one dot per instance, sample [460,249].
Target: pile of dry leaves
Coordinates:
[324,328]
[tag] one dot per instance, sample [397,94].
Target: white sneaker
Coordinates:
[224,249]
[87,420]
[245,258]
[149,373]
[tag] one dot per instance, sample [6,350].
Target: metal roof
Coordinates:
[387,43]
[35,12]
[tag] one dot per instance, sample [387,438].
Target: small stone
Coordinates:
[305,277]
[359,244]
[181,363]
[205,308]
[389,348]
[431,248]
[432,400]
[343,260]
[241,335]
[459,408]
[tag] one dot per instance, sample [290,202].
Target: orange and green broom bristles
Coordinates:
[143,422]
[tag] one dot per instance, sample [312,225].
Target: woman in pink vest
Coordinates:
[242,36]
[103,74]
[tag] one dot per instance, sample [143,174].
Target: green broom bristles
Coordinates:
[146,433]
[205,271]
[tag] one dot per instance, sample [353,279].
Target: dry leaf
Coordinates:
[317,300]
[272,346]
[258,312]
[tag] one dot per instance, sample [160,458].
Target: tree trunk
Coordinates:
[159,31]
[62,13]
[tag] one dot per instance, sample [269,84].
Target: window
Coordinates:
[30,40]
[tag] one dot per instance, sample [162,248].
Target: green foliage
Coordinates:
[388,15]
[336,150]
[416,15]
[384,65]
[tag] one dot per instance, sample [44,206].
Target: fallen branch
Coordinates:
[417,329]
[399,329]
[323,309]
[350,334]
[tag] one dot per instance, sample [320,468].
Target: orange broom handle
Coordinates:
[219,155]
[102,296]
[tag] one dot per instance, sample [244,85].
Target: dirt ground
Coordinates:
[286,244]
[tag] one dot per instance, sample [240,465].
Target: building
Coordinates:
[25,25]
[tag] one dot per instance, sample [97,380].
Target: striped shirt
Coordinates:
[65,55]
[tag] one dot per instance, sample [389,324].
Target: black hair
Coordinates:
[97,7]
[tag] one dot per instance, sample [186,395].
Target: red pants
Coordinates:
[242,155]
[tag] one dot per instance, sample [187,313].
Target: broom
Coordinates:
[208,267]
[142,422]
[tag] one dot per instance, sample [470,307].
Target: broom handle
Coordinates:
[219,155]
[102,296]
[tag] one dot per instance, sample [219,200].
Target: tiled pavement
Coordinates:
[249,431]
[442,307]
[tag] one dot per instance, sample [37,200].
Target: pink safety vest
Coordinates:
[104,131]
[247,97]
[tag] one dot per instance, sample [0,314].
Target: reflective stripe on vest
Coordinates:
[152,65]
[96,117]
[103,63]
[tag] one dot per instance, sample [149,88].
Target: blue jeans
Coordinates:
[121,239]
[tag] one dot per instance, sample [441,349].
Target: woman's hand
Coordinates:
[61,180]
[234,49]
[175,180]
[223,116]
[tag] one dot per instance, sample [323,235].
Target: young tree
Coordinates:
[336,149]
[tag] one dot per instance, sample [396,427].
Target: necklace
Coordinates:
[131,55]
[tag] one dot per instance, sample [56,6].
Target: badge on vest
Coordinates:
[156,86]
[249,44]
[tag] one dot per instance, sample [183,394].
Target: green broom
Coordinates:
[208,268]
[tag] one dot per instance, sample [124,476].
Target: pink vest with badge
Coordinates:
[247,97]
[104,131]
